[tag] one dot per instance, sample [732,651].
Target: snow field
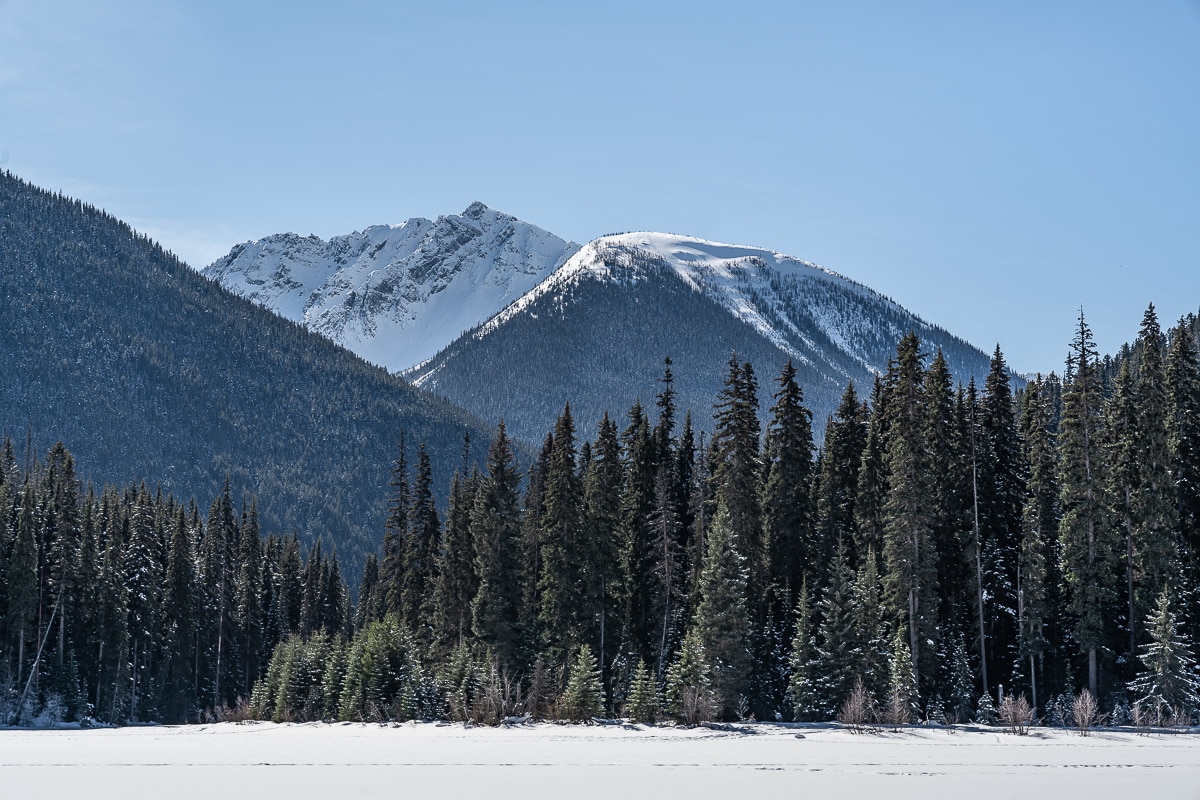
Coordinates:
[531,761]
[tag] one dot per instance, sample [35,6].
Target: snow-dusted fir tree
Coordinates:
[902,698]
[645,704]
[1168,682]
[720,624]
[584,695]
[802,687]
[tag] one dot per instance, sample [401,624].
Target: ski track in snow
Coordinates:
[529,761]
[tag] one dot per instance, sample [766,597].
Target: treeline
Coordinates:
[945,547]
[124,605]
[948,545]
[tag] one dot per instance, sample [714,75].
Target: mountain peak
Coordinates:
[397,294]
[475,210]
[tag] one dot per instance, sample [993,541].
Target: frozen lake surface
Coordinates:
[353,760]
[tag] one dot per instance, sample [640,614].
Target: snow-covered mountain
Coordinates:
[396,294]
[596,332]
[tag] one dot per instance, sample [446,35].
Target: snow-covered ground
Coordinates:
[423,760]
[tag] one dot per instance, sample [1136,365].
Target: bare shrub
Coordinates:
[239,712]
[1015,714]
[497,699]
[1085,711]
[858,709]
[697,704]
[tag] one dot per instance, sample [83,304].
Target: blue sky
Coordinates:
[991,166]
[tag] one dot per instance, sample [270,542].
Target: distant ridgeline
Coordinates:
[945,542]
[149,371]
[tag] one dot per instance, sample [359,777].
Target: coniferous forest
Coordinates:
[945,551]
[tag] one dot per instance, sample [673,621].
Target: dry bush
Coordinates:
[498,699]
[239,712]
[697,704]
[1015,714]
[1085,711]
[858,710]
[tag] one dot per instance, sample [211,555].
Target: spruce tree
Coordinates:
[841,457]
[1168,682]
[495,530]
[562,555]
[1039,524]
[804,690]
[792,547]
[583,698]
[872,477]
[600,592]
[391,577]
[419,574]
[1085,537]
[1183,441]
[871,626]
[645,704]
[721,622]
[1001,504]
[456,583]
[840,654]
[909,549]
[1156,563]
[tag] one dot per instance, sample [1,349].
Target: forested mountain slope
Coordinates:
[597,330]
[149,371]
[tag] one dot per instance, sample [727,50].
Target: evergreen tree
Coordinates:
[456,584]
[721,623]
[641,574]
[689,693]
[645,704]
[562,565]
[419,574]
[793,549]
[1155,553]
[902,706]
[495,530]
[583,698]
[600,592]
[1039,525]
[841,457]
[1000,510]
[738,469]
[871,626]
[840,656]
[391,575]
[1183,441]
[909,550]
[872,477]
[1168,682]
[804,690]
[1084,534]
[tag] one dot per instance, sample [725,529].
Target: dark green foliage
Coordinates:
[495,531]
[1168,684]
[793,546]
[845,439]
[583,698]
[1085,533]
[909,549]
[803,689]
[644,704]
[721,623]
[1183,439]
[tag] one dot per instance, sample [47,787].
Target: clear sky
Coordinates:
[992,166]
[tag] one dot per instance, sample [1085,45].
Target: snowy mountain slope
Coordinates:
[396,294]
[596,332]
